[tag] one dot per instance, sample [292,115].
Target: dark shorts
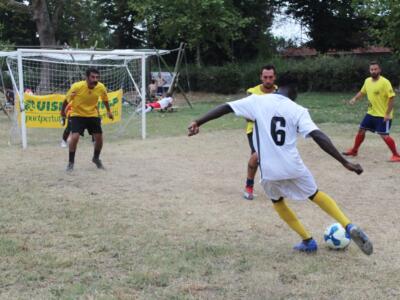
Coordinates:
[376,124]
[92,124]
[250,138]
[67,129]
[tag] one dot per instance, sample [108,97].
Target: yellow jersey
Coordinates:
[256,90]
[378,93]
[84,100]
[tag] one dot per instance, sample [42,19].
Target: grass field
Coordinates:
[166,220]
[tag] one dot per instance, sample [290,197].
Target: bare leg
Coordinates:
[252,166]
[73,143]
[251,174]
[98,145]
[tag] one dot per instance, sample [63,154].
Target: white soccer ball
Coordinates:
[336,237]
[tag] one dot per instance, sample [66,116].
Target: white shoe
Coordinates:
[64,144]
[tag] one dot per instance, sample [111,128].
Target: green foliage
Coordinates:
[122,23]
[215,31]
[16,26]
[81,25]
[323,73]
[331,24]
[386,17]
[225,80]
[199,23]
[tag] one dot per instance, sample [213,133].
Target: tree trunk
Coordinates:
[44,25]
[47,38]
[198,56]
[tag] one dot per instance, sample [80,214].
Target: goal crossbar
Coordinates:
[23,60]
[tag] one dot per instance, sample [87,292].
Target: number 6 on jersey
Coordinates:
[278,135]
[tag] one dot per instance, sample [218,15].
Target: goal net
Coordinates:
[41,79]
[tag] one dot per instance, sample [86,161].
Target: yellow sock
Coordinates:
[329,205]
[291,219]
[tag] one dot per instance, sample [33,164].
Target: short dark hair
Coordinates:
[287,79]
[92,70]
[267,67]
[374,62]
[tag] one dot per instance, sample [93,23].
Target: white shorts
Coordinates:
[300,188]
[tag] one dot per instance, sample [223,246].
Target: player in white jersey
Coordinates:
[163,103]
[278,120]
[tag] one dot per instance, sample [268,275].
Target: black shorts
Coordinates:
[92,124]
[67,129]
[250,138]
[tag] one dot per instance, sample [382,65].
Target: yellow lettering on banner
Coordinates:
[44,111]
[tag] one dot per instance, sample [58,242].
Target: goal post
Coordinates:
[50,73]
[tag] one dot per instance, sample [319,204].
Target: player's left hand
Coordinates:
[110,115]
[193,129]
[354,167]
[386,118]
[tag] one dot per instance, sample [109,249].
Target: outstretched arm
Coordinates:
[358,96]
[325,143]
[215,113]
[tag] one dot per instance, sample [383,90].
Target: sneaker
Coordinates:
[395,158]
[70,167]
[350,152]
[98,163]
[63,144]
[306,246]
[248,193]
[360,238]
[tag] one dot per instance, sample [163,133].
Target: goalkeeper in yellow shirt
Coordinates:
[267,86]
[84,96]
[378,119]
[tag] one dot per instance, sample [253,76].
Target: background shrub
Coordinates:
[320,74]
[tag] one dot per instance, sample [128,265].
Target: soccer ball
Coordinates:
[336,237]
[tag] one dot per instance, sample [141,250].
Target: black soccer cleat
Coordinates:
[98,163]
[70,167]
[360,238]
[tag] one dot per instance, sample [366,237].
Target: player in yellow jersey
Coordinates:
[267,86]
[378,119]
[84,96]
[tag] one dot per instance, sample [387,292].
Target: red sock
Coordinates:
[358,141]
[391,144]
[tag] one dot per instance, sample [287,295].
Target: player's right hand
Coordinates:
[352,101]
[354,167]
[193,129]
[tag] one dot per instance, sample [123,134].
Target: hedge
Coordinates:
[322,74]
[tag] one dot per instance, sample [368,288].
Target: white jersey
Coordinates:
[165,102]
[278,120]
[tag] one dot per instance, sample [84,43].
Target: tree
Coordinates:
[202,24]
[16,25]
[256,39]
[45,25]
[386,20]
[122,24]
[331,24]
